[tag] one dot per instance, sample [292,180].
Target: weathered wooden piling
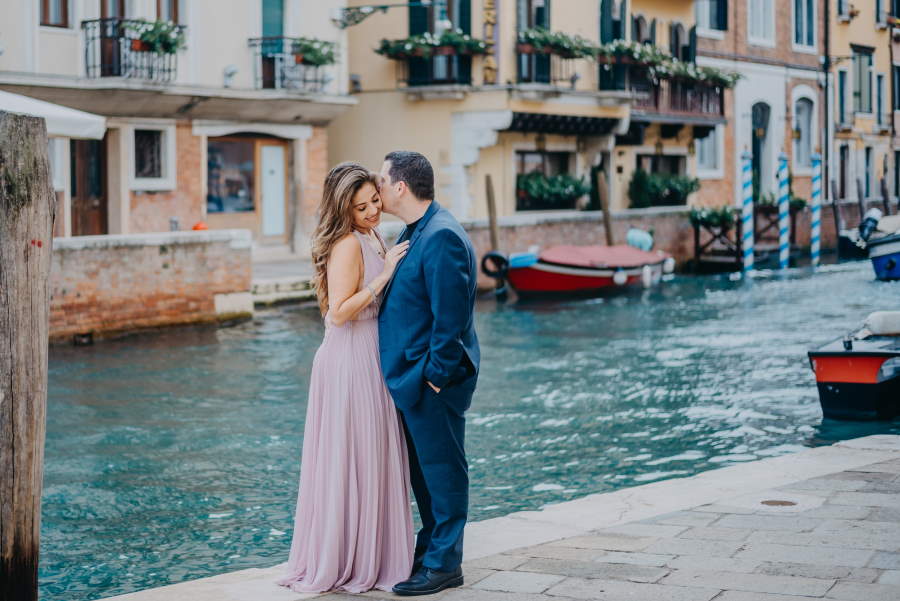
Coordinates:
[603,195]
[27,210]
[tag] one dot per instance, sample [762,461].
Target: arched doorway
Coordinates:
[761,113]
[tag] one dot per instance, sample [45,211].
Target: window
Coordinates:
[762,22]
[897,172]
[148,153]
[152,151]
[54,13]
[895,8]
[843,8]
[869,164]
[804,23]
[896,82]
[880,116]
[167,10]
[862,81]
[803,120]
[112,8]
[711,14]
[537,185]
[707,149]
[230,172]
[880,12]
[842,97]
[56,155]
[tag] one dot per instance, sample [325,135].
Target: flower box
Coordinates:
[138,45]
[445,51]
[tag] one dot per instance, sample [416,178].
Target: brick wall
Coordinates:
[109,284]
[316,169]
[150,211]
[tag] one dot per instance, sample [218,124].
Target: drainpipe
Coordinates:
[829,128]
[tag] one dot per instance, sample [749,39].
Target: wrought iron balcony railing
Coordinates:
[439,70]
[277,65]
[113,48]
[545,68]
[667,96]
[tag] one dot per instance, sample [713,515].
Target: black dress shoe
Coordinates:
[427,582]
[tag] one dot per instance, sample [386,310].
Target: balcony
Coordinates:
[278,65]
[547,69]
[667,100]
[113,48]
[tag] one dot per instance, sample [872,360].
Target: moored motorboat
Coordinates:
[858,375]
[570,269]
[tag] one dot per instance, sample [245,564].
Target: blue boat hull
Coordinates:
[885,256]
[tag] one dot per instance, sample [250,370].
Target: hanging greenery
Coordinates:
[426,45]
[660,189]
[161,37]
[553,191]
[539,40]
[311,51]
[662,65]
[722,217]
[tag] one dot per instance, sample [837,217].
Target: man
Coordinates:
[430,357]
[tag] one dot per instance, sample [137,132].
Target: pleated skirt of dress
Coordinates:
[353,525]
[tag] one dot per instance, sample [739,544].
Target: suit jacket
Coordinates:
[426,320]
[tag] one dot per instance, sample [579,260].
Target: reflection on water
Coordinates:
[175,455]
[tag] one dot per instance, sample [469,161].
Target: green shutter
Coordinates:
[653,32]
[465,16]
[606,34]
[722,15]
[418,20]
[692,45]
[419,68]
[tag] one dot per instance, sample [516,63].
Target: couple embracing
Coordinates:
[389,389]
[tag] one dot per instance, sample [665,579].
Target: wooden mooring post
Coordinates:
[603,195]
[27,210]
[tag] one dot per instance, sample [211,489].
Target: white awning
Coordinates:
[61,121]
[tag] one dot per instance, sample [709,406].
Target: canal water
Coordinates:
[175,455]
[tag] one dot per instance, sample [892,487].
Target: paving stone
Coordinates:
[818,571]
[881,514]
[860,475]
[473,594]
[607,542]
[652,530]
[637,559]
[822,556]
[518,582]
[716,508]
[612,590]
[715,533]
[867,499]
[858,541]
[890,577]
[891,486]
[760,583]
[748,596]
[595,569]
[830,484]
[889,467]
[769,522]
[684,546]
[885,560]
[496,562]
[858,591]
[839,512]
[724,564]
[553,551]
[685,518]
[854,528]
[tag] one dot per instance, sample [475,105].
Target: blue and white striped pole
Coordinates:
[784,216]
[747,210]
[815,237]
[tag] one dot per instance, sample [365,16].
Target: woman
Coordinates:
[353,526]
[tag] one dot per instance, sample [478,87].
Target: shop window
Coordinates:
[543,182]
[803,110]
[804,23]
[55,13]
[230,176]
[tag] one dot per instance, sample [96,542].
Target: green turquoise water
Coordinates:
[175,455]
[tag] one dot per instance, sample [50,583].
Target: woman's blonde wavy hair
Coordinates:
[335,219]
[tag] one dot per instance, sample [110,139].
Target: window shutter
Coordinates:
[692,45]
[673,40]
[606,20]
[653,32]
[623,17]
[418,20]
[721,15]
[419,68]
[465,16]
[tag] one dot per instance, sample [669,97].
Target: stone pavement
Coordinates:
[834,537]
[823,523]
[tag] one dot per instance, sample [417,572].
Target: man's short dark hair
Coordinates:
[414,169]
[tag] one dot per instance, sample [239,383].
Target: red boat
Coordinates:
[858,375]
[578,269]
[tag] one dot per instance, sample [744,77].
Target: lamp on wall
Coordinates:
[353,15]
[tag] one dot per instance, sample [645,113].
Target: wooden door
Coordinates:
[89,202]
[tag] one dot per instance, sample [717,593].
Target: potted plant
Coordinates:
[313,52]
[161,37]
[712,217]
[448,43]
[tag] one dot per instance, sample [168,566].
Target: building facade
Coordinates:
[213,114]
[513,112]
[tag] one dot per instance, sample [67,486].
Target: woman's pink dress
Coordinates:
[353,527]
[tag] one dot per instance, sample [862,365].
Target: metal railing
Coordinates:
[277,65]
[549,69]
[440,70]
[666,96]
[113,48]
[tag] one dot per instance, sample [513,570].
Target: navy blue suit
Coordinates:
[427,333]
